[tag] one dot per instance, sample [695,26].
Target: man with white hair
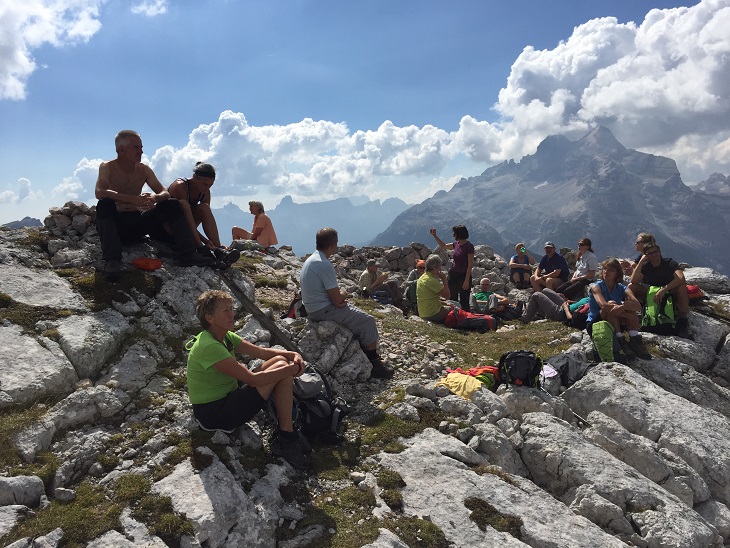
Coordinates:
[125,214]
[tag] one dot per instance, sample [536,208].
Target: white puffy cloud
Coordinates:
[23,192]
[151,8]
[80,185]
[660,85]
[26,25]
[308,159]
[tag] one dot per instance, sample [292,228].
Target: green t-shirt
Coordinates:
[483,295]
[205,382]
[428,288]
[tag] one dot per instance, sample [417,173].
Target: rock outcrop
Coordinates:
[102,369]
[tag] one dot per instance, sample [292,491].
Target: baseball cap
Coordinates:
[549,244]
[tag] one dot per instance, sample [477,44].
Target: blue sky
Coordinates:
[323,99]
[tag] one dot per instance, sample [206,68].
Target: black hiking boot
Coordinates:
[618,350]
[113,270]
[636,343]
[196,258]
[291,451]
[226,257]
[683,328]
[380,370]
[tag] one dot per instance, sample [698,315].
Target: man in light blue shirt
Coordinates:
[325,301]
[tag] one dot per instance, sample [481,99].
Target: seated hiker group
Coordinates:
[225,393]
[125,214]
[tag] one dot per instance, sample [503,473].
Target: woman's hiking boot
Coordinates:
[288,448]
[636,343]
[620,348]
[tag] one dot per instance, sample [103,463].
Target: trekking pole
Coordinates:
[277,334]
[581,419]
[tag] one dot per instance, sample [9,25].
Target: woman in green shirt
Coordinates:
[213,375]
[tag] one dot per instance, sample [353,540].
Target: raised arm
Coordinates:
[440,242]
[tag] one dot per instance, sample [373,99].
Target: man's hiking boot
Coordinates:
[113,269]
[636,343]
[195,258]
[290,451]
[380,370]
[683,328]
[226,257]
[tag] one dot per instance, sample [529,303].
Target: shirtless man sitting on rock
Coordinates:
[124,214]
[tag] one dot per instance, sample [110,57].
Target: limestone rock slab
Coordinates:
[30,371]
[37,287]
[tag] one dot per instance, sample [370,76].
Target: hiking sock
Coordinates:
[633,333]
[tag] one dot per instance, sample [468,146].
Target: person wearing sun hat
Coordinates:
[194,197]
[552,271]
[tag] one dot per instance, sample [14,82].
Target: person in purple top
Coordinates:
[459,277]
[552,272]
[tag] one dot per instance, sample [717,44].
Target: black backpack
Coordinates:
[319,413]
[520,367]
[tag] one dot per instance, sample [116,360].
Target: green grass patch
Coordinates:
[44,466]
[342,510]
[27,316]
[416,532]
[89,515]
[390,479]
[334,462]
[272,304]
[393,499]
[108,461]
[12,421]
[280,282]
[99,293]
[483,514]
[161,519]
[472,348]
[34,237]
[382,432]
[248,264]
[495,471]
[131,487]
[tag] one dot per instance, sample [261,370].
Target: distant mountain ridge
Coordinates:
[25,221]
[592,187]
[296,224]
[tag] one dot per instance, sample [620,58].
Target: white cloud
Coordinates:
[23,192]
[660,85]
[308,159]
[29,24]
[151,8]
[80,185]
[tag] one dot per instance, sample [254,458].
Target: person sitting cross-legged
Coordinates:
[485,301]
[612,301]
[213,375]
[409,286]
